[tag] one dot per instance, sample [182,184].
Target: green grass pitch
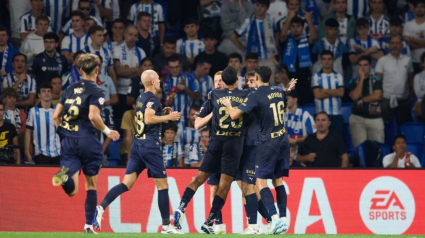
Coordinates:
[152,235]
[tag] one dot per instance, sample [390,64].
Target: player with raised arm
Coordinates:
[77,117]
[272,160]
[146,151]
[224,150]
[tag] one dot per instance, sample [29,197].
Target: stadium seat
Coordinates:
[414,132]
[390,131]
[416,149]
[346,111]
[372,162]
[310,107]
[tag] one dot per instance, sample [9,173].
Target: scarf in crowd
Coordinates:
[311,6]
[292,50]
[75,76]
[253,44]
[170,152]
[13,118]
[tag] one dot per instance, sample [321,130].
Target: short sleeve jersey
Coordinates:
[269,104]
[77,100]
[223,127]
[147,135]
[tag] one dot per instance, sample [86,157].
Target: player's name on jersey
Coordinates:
[228,133]
[274,95]
[231,98]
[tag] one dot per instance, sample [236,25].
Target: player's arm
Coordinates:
[234,113]
[202,121]
[57,114]
[151,118]
[96,120]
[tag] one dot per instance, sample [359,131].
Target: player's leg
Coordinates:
[261,208]
[247,178]
[134,167]
[266,161]
[282,169]
[213,181]
[89,151]
[70,164]
[230,158]
[209,165]
[91,201]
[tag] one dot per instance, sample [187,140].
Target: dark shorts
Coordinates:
[246,171]
[146,158]
[223,156]
[273,159]
[81,153]
[214,178]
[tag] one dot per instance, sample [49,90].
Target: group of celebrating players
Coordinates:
[248,143]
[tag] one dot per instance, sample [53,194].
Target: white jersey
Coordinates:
[388,160]
[128,59]
[380,28]
[17,9]
[157,16]
[56,10]
[189,139]
[357,8]
[28,23]
[190,48]
[334,80]
[415,31]
[278,13]
[67,28]
[45,139]
[106,56]
[73,43]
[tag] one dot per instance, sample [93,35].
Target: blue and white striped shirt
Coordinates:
[67,28]
[56,10]
[73,43]
[299,124]
[106,57]
[189,139]
[357,8]
[334,80]
[181,101]
[24,88]
[203,87]
[28,23]
[45,139]
[190,48]
[157,16]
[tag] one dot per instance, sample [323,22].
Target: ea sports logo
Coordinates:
[387,206]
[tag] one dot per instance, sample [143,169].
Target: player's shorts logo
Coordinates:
[387,206]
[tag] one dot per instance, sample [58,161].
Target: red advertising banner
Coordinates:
[319,201]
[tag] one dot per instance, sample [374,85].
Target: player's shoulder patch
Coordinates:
[101,100]
[149,104]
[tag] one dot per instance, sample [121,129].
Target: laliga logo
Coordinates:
[387,206]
